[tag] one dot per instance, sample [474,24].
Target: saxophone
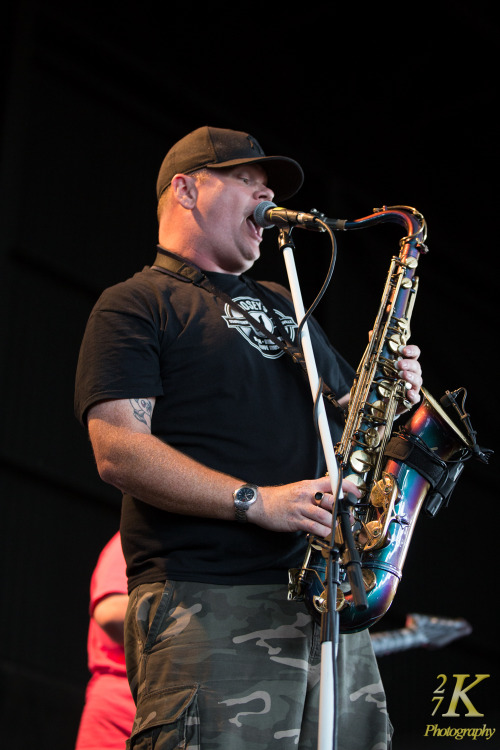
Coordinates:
[396,474]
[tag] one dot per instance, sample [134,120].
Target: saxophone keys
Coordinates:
[385,388]
[341,600]
[373,529]
[394,342]
[369,579]
[389,369]
[376,535]
[411,262]
[384,492]
[371,437]
[293,590]
[376,409]
[320,601]
[381,493]
[359,482]
[362,461]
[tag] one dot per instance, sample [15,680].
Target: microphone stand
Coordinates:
[330,617]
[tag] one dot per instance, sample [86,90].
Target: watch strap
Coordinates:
[241,506]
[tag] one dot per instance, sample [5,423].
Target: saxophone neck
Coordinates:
[407,216]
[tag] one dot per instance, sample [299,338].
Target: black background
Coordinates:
[382,105]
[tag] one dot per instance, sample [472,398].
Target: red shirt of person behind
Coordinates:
[109,709]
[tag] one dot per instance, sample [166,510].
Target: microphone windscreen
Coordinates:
[259,214]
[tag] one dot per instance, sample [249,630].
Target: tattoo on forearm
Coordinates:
[142,409]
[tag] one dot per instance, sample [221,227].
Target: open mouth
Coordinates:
[256,230]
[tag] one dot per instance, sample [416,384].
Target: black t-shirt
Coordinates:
[226,396]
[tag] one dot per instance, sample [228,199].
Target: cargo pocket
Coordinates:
[167,720]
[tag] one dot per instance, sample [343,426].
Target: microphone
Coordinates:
[268,214]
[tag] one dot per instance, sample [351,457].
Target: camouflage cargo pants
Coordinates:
[237,668]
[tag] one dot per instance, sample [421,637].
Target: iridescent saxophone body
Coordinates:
[393,486]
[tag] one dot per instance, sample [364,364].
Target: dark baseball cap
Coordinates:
[216,148]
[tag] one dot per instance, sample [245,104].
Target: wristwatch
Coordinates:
[244,497]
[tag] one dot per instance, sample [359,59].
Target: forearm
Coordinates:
[143,466]
[129,457]
[109,613]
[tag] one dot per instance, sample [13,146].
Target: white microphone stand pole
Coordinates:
[328,648]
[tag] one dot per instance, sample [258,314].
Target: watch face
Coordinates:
[244,497]
[245,494]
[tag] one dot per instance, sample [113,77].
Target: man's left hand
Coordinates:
[411,371]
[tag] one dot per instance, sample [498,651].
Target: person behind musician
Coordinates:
[206,426]
[109,709]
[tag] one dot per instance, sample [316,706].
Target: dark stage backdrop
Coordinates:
[382,105]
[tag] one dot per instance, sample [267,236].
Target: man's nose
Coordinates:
[264,193]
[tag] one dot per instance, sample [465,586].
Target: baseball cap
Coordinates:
[216,148]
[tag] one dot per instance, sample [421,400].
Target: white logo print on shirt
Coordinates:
[258,310]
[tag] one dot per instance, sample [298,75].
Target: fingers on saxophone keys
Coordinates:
[410,351]
[411,372]
[409,365]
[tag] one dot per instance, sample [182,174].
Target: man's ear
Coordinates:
[185,190]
